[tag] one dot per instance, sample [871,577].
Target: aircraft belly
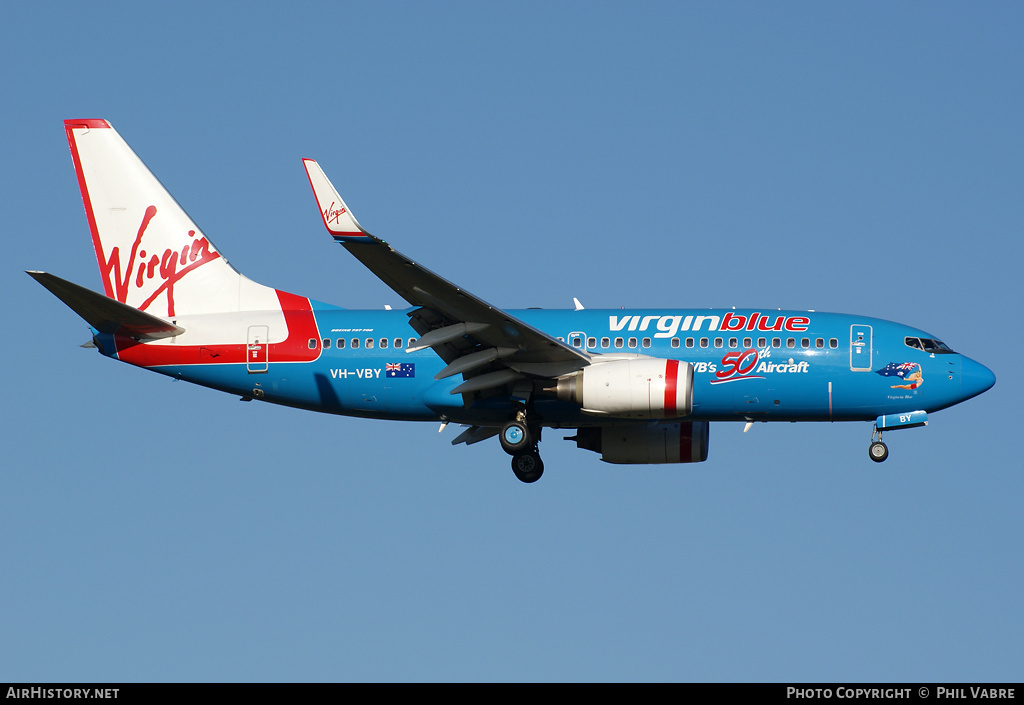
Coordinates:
[308,386]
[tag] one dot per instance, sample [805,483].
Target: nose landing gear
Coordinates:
[877,451]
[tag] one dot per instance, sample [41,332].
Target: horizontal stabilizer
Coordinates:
[105,314]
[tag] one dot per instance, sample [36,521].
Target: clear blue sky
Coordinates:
[831,156]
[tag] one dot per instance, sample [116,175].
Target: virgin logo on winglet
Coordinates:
[331,214]
[165,270]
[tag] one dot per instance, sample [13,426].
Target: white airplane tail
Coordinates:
[150,253]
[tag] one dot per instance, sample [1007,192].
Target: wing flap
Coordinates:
[439,336]
[489,380]
[472,361]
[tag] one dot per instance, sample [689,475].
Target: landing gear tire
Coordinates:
[515,438]
[527,466]
[878,451]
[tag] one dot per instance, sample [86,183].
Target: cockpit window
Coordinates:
[929,345]
[935,346]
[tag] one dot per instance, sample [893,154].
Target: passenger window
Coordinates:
[411,342]
[776,342]
[398,342]
[703,342]
[632,342]
[734,343]
[383,342]
[833,343]
[718,342]
[805,342]
[762,342]
[327,343]
[618,342]
[340,343]
[605,342]
[747,342]
[646,342]
[675,342]
[819,343]
[591,343]
[369,343]
[312,343]
[577,342]
[689,342]
[355,343]
[790,342]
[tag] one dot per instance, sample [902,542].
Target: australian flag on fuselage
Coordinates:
[897,369]
[400,369]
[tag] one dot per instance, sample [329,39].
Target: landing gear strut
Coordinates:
[877,451]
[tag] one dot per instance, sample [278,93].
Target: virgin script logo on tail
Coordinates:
[155,273]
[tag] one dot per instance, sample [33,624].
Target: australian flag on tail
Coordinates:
[897,369]
[400,369]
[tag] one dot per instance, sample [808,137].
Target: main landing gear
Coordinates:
[520,441]
[528,467]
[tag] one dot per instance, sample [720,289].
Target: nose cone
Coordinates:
[975,378]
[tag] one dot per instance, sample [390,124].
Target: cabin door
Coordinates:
[860,348]
[257,350]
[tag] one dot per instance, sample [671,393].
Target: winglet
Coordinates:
[338,219]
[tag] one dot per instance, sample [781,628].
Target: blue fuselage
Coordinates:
[749,365]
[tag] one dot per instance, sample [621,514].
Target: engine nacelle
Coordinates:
[640,388]
[661,442]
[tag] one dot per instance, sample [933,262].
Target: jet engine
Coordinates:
[643,444]
[638,388]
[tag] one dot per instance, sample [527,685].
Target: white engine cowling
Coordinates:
[642,388]
[661,442]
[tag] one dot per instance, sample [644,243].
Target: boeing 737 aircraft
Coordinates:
[636,386]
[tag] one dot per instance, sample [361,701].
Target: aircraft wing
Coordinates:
[487,345]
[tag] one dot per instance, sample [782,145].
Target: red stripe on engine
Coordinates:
[671,378]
